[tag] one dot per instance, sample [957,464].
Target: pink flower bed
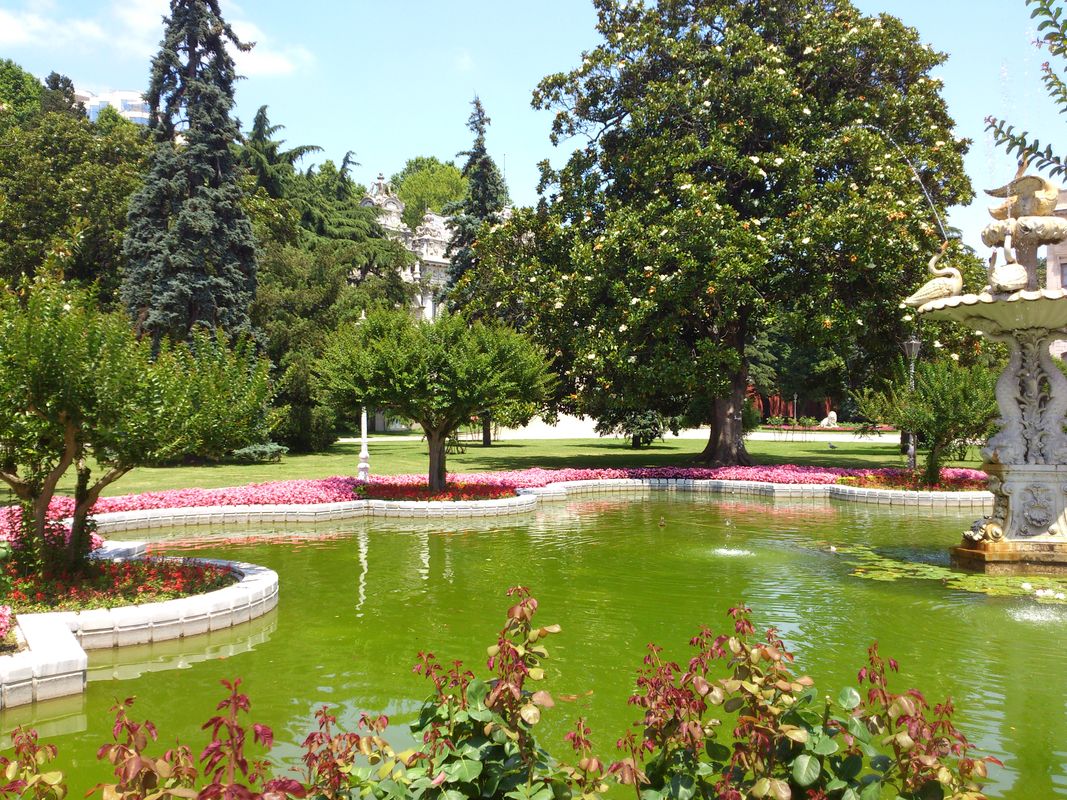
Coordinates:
[342,488]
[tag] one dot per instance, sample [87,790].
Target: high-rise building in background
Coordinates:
[129,103]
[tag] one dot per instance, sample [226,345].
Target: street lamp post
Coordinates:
[911,350]
[363,471]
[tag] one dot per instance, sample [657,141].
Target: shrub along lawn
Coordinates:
[391,456]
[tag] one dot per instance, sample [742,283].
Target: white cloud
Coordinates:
[34,29]
[266,58]
[139,25]
[135,27]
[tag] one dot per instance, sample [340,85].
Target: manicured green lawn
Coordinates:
[391,456]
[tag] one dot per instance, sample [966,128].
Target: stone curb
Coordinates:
[54,663]
[527,500]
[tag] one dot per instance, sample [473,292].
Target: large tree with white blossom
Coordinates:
[742,164]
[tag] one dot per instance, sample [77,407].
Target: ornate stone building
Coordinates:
[428,242]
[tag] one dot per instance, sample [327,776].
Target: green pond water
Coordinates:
[360,599]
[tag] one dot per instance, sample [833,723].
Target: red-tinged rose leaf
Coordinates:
[543,699]
[263,734]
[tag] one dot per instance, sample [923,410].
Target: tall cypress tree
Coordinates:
[486,197]
[191,258]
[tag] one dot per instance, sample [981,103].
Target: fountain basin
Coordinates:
[1001,313]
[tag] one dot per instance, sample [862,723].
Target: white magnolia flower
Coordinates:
[955,356]
[557,305]
[807,111]
[806,240]
[779,161]
[908,317]
[623,328]
[938,344]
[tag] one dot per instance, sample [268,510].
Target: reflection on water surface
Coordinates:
[358,601]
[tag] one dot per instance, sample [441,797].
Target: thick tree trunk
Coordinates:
[438,475]
[487,430]
[726,447]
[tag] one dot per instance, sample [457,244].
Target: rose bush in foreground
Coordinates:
[735,721]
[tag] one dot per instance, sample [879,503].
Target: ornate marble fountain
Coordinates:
[1027,458]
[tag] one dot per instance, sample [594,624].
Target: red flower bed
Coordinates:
[104,584]
[454,491]
[952,480]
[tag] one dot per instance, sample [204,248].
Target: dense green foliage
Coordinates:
[438,374]
[486,197]
[742,173]
[20,94]
[1052,32]
[316,275]
[77,389]
[427,184]
[950,407]
[58,96]
[64,187]
[191,257]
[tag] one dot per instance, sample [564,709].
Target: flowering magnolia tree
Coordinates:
[743,166]
[77,389]
[438,374]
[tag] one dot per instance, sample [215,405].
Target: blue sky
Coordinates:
[391,80]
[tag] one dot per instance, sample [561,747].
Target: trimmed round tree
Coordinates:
[438,374]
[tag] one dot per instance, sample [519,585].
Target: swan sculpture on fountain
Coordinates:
[948,283]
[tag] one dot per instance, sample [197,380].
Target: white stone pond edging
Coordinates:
[54,662]
[526,500]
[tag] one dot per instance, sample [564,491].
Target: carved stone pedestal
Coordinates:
[1028,526]
[1027,458]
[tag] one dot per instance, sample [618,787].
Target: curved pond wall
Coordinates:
[54,662]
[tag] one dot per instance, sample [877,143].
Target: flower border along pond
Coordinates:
[54,663]
[325,499]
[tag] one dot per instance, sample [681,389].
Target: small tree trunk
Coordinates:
[932,465]
[438,475]
[487,430]
[726,445]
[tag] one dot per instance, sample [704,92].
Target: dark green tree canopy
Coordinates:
[486,197]
[438,374]
[741,170]
[20,94]
[65,184]
[264,157]
[190,249]
[58,96]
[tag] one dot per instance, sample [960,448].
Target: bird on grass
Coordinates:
[831,445]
